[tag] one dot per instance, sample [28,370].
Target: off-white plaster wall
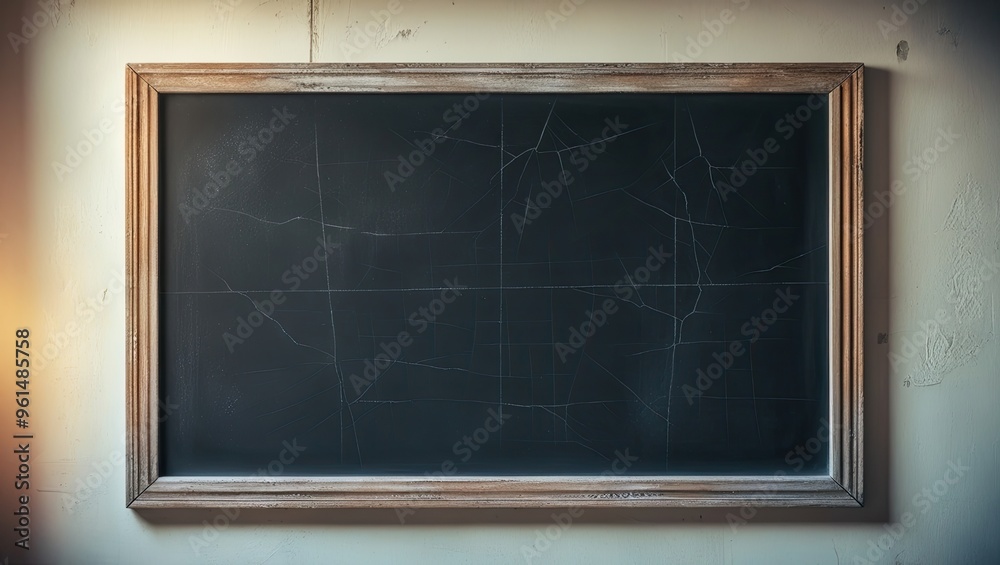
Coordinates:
[934,248]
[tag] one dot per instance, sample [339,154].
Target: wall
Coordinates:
[931,398]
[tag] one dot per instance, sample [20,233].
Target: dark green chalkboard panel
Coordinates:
[475,284]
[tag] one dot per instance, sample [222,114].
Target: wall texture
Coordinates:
[932,266]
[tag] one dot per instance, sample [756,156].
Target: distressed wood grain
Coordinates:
[843,82]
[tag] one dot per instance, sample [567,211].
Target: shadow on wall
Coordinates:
[17,249]
[877,506]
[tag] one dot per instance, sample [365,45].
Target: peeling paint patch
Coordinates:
[48,14]
[404,33]
[946,350]
[902,51]
[62,9]
[948,34]
[970,228]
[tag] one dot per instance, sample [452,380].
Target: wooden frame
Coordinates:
[843,487]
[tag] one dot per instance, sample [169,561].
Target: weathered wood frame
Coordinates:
[145,488]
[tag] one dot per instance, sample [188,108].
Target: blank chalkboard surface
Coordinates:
[479,284]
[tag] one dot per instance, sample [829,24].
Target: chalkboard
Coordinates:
[383,279]
[379,276]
